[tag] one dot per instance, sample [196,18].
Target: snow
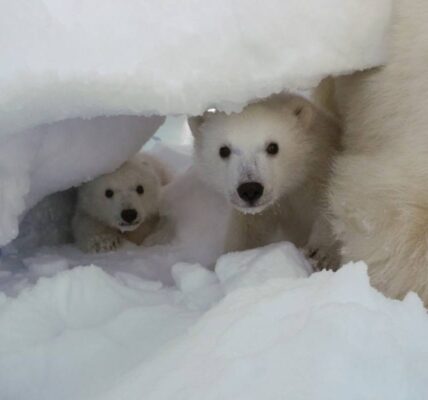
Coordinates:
[86,334]
[73,59]
[46,265]
[182,321]
[77,342]
[327,337]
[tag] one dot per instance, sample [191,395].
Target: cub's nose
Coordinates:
[250,191]
[129,215]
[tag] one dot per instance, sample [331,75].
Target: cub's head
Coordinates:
[258,155]
[122,199]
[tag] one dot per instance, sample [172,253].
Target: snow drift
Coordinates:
[256,328]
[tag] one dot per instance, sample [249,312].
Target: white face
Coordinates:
[122,199]
[254,157]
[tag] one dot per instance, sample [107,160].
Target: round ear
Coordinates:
[195,123]
[302,109]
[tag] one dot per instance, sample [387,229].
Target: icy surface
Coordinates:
[67,59]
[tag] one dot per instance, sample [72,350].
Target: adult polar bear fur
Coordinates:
[121,205]
[379,192]
[272,162]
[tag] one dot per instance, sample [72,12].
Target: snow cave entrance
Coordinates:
[44,241]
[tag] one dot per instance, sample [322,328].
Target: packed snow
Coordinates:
[182,321]
[67,59]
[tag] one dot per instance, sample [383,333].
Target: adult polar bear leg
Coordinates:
[379,193]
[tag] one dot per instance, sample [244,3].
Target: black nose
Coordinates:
[250,191]
[129,215]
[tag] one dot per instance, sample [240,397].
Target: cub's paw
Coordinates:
[322,258]
[163,235]
[103,243]
[157,239]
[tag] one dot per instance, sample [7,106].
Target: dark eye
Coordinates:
[272,149]
[109,193]
[140,189]
[224,152]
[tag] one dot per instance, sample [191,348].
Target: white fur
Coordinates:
[98,225]
[379,195]
[293,180]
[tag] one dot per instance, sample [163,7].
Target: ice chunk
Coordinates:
[200,286]
[190,277]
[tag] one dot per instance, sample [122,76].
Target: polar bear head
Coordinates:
[258,155]
[122,199]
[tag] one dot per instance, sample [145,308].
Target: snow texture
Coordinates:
[259,332]
[68,59]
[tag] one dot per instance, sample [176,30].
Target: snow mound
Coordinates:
[228,334]
[73,59]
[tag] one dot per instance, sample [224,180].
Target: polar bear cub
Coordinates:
[272,162]
[121,205]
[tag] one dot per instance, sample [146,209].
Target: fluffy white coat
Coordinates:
[99,224]
[291,176]
[379,193]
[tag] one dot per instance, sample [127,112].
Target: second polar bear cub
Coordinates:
[272,162]
[121,205]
